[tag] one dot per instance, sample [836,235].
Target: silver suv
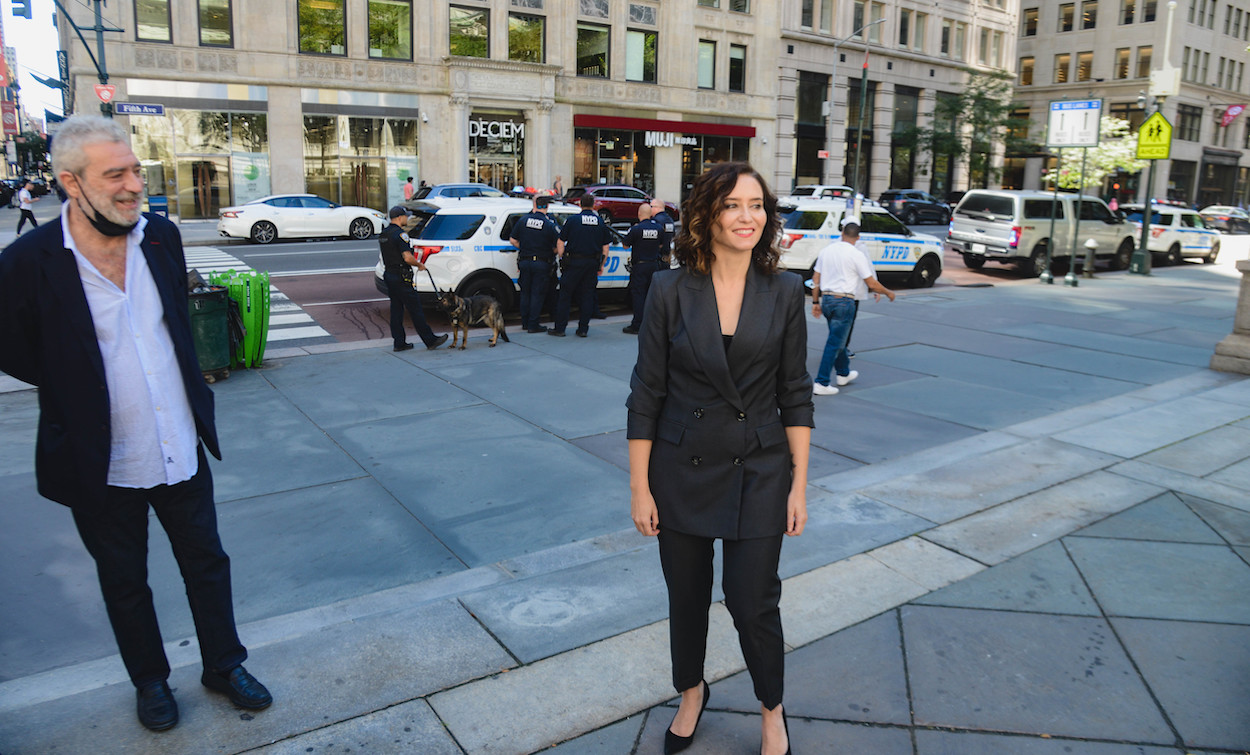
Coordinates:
[1014,227]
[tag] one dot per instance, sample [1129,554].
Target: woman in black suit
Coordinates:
[720,417]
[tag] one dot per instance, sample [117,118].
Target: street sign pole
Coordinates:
[1154,142]
[1140,262]
[1071,123]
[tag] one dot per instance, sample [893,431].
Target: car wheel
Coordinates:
[974,261]
[606,216]
[264,232]
[1123,256]
[360,229]
[1215,252]
[909,217]
[1035,265]
[495,286]
[926,272]
[1173,256]
[946,218]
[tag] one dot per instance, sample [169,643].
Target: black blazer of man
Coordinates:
[47,338]
[720,459]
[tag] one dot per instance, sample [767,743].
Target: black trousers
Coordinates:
[533,276]
[116,536]
[404,296]
[577,283]
[639,285]
[26,215]
[752,594]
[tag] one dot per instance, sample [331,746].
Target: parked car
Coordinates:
[465,247]
[1014,227]
[1175,233]
[914,206]
[1230,220]
[809,225]
[288,216]
[821,191]
[456,191]
[616,203]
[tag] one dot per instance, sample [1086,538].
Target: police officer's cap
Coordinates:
[398,211]
[542,202]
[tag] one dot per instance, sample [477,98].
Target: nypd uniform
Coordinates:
[666,242]
[397,275]
[584,235]
[645,241]
[535,235]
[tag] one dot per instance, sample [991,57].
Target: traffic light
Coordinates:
[21,8]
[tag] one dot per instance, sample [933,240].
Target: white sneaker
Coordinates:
[823,390]
[848,377]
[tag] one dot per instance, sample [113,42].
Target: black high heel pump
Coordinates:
[675,743]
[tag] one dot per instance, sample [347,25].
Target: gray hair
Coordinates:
[75,133]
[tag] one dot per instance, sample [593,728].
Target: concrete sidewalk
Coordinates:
[1030,533]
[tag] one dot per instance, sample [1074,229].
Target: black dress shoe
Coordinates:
[404,347]
[539,329]
[675,743]
[558,333]
[630,329]
[156,707]
[439,341]
[599,316]
[581,334]
[240,686]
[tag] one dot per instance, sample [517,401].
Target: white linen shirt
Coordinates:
[842,268]
[153,431]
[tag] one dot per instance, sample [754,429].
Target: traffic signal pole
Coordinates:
[106,108]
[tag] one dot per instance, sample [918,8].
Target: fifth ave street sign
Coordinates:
[1073,123]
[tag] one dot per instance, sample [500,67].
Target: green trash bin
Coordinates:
[250,289]
[209,331]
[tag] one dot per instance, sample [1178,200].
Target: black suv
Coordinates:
[913,206]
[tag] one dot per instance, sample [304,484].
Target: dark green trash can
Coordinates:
[209,331]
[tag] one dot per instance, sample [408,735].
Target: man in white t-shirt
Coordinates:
[24,199]
[840,270]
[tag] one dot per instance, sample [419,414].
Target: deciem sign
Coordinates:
[1073,123]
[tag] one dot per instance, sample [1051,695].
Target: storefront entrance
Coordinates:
[616,172]
[501,172]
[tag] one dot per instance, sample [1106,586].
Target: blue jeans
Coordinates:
[840,312]
[533,278]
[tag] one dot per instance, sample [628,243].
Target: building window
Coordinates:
[826,15]
[1026,72]
[1089,14]
[740,6]
[1030,22]
[1228,18]
[1067,16]
[1206,64]
[216,29]
[983,49]
[874,30]
[904,28]
[322,27]
[469,32]
[640,56]
[807,13]
[716,3]
[1127,9]
[1062,64]
[390,29]
[592,50]
[527,38]
[1219,73]
[1148,11]
[857,19]
[1121,63]
[707,64]
[922,28]
[1143,61]
[959,48]
[737,68]
[1084,66]
[1131,112]
[152,21]
[1189,125]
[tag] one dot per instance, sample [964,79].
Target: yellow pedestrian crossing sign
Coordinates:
[1154,138]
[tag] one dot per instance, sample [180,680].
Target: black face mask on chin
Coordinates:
[99,222]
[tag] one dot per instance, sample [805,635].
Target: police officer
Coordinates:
[537,239]
[586,238]
[644,241]
[398,261]
[659,213]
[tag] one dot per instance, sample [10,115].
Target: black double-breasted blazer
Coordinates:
[720,459]
[48,339]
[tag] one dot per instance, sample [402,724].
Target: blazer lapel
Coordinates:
[61,268]
[698,305]
[754,323]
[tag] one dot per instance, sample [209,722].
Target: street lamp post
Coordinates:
[833,88]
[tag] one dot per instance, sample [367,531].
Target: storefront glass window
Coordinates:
[497,149]
[152,21]
[321,156]
[592,50]
[200,132]
[470,32]
[359,161]
[707,151]
[390,29]
[322,27]
[903,136]
[809,126]
[611,156]
[249,156]
[527,37]
[640,56]
[215,23]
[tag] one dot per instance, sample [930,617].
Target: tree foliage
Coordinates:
[1116,152]
[969,123]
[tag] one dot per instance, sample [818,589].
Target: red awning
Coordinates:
[585,120]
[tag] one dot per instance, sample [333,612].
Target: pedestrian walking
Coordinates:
[397,263]
[557,188]
[537,240]
[719,428]
[409,189]
[586,238]
[839,271]
[125,416]
[24,200]
[643,241]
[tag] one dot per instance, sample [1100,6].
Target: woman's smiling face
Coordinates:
[741,218]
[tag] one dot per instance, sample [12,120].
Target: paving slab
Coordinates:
[1040,581]
[1201,674]
[962,329]
[612,447]
[507,505]
[1155,427]
[1164,518]
[1108,342]
[1182,483]
[1107,365]
[409,727]
[19,417]
[1231,524]
[722,733]
[1204,453]
[1236,475]
[949,492]
[840,525]
[562,557]
[607,350]
[1204,582]
[614,739]
[1237,392]
[869,432]
[946,399]
[822,601]
[930,566]
[1200,336]
[973,743]
[871,374]
[1027,673]
[968,448]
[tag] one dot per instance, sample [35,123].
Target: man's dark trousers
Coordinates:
[116,535]
[404,296]
[533,278]
[578,282]
[639,285]
[26,215]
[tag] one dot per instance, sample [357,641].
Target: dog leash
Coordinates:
[432,283]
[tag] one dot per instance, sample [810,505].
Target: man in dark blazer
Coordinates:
[93,311]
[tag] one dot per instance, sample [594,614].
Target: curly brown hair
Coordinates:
[705,203]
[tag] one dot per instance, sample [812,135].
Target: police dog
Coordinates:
[472,310]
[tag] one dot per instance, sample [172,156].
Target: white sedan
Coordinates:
[297,216]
